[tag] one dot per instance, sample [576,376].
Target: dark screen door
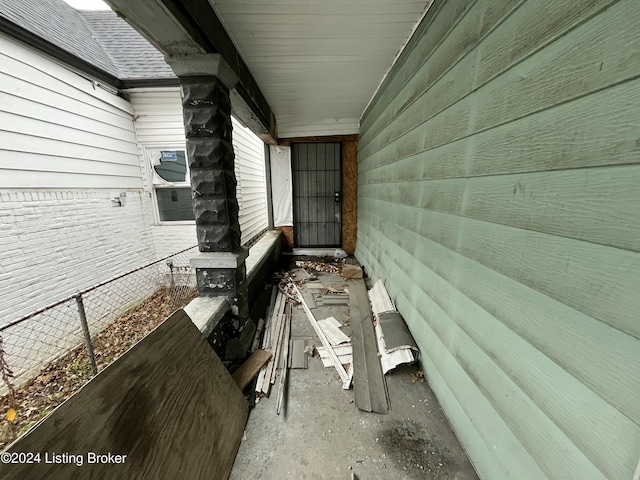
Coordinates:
[316,194]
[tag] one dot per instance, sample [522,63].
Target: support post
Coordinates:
[220,267]
[87,336]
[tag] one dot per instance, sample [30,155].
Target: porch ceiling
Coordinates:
[318,62]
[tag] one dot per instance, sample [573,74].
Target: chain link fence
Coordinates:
[49,354]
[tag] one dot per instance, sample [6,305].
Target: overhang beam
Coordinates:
[184,28]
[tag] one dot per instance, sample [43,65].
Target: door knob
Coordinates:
[336,197]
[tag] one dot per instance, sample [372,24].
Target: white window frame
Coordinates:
[146,150]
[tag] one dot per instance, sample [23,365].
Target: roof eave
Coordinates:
[25,36]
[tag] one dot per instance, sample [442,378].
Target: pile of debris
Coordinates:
[356,355]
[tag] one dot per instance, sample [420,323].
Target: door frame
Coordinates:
[349,163]
[295,200]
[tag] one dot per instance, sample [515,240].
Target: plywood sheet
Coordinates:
[168,404]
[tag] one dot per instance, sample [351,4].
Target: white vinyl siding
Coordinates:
[67,148]
[252,185]
[159,124]
[59,129]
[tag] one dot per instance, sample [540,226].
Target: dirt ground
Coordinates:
[60,379]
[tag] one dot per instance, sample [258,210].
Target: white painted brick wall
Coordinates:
[54,243]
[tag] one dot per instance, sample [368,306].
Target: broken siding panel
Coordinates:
[60,131]
[516,284]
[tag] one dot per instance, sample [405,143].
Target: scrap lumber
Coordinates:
[370,389]
[335,299]
[344,353]
[331,328]
[298,358]
[325,342]
[168,404]
[284,371]
[250,368]
[256,339]
[281,329]
[351,271]
[346,385]
[272,337]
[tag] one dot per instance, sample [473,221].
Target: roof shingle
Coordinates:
[100,38]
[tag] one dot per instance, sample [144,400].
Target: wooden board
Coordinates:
[370,389]
[323,339]
[332,331]
[344,353]
[284,364]
[250,368]
[298,358]
[168,404]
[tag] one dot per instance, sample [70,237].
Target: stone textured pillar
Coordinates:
[220,267]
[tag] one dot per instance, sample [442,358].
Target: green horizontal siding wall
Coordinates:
[499,199]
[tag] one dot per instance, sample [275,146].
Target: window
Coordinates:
[171,184]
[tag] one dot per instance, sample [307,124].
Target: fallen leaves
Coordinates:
[11,415]
[327,266]
[61,378]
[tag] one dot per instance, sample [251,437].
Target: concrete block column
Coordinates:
[220,267]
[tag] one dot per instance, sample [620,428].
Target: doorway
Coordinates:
[317,194]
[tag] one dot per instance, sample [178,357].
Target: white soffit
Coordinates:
[319,62]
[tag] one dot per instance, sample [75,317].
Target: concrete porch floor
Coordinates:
[321,435]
